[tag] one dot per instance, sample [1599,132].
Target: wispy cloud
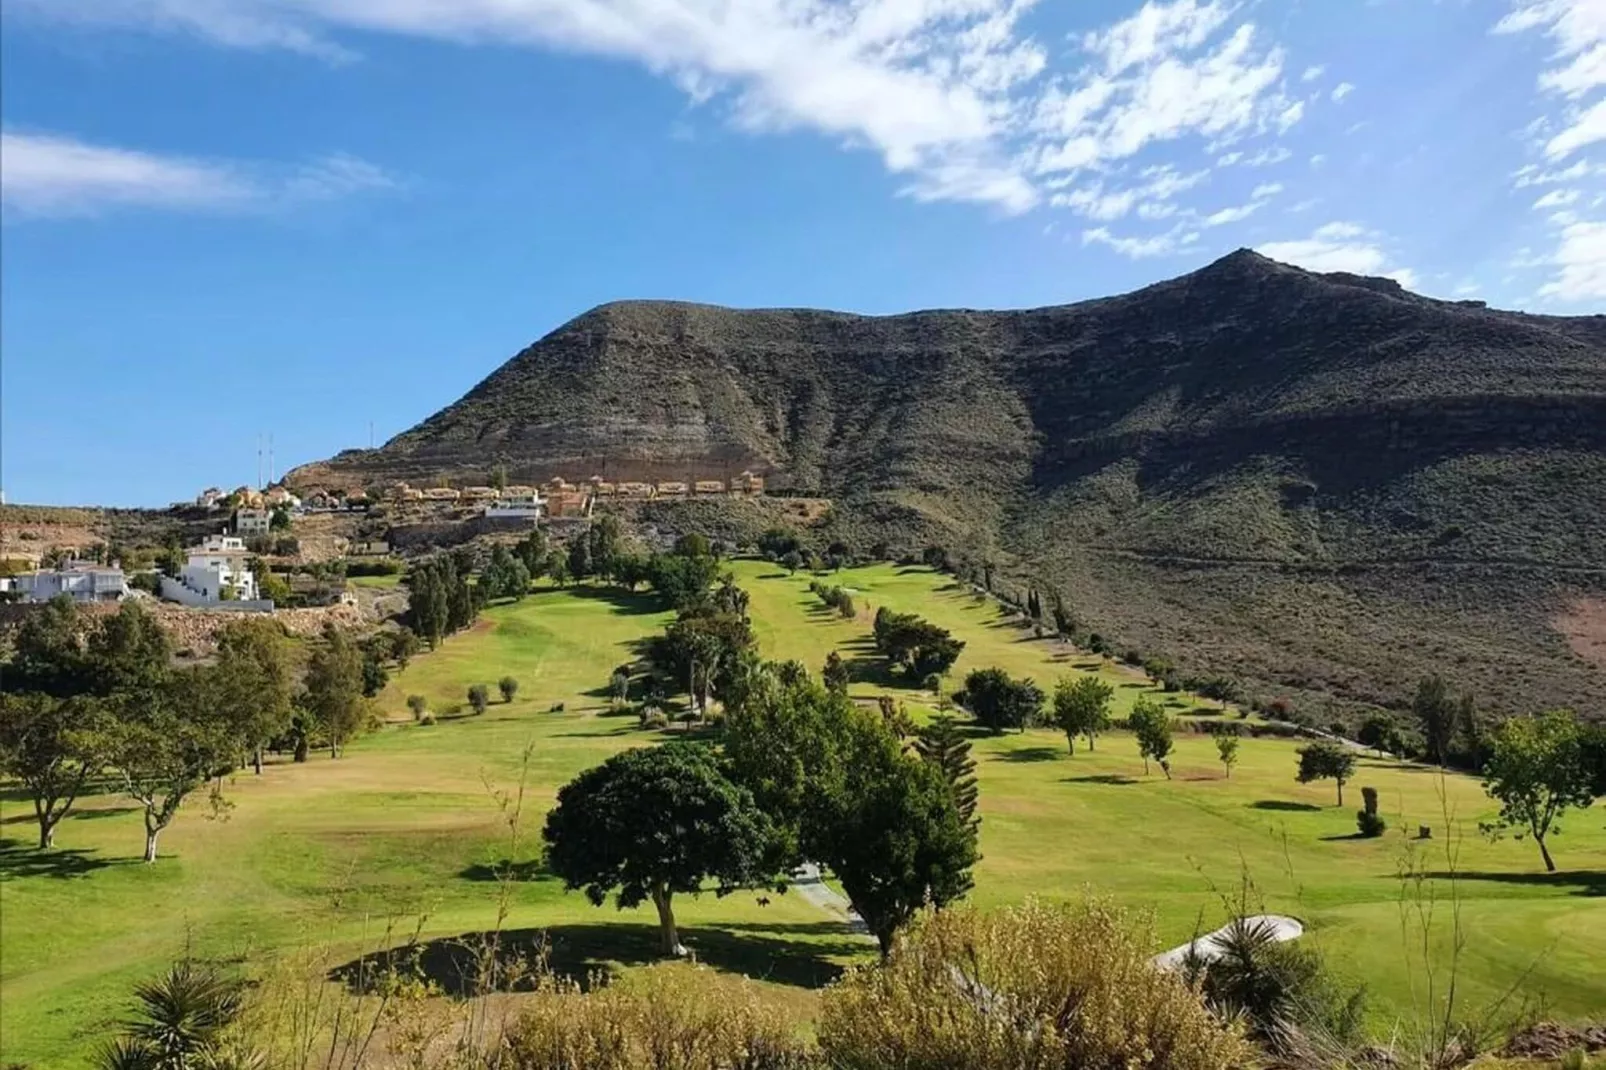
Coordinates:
[956,98]
[1312,73]
[1572,90]
[51,175]
[1178,239]
[1342,90]
[1340,246]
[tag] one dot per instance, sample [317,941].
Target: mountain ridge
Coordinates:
[1250,413]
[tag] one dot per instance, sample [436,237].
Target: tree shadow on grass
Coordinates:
[1029,754]
[588,953]
[1100,778]
[624,603]
[1285,806]
[528,871]
[18,859]
[1345,837]
[72,815]
[1589,883]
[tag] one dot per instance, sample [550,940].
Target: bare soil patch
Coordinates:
[1584,625]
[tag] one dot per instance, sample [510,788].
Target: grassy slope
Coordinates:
[328,851]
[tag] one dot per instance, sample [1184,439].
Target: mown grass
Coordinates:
[331,853]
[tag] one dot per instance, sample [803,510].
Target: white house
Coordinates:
[83,581]
[214,567]
[249,522]
[517,502]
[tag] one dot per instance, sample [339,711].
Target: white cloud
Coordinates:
[1312,73]
[1236,214]
[1342,90]
[50,175]
[1572,81]
[1177,239]
[953,95]
[1467,289]
[1580,260]
[1557,198]
[1290,115]
[1318,159]
[1228,159]
[1584,128]
[1339,246]
[1268,157]
[1151,196]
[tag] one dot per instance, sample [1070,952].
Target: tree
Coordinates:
[580,564]
[509,687]
[1537,770]
[653,821]
[693,544]
[1152,725]
[272,586]
[165,745]
[841,791]
[280,520]
[1382,734]
[999,702]
[1326,760]
[1227,751]
[417,704]
[1082,708]
[52,746]
[557,569]
[333,689]
[403,646]
[374,674]
[128,653]
[504,576]
[533,551]
[619,684]
[479,697]
[255,666]
[682,581]
[48,651]
[835,674]
[943,745]
[915,645]
[1436,713]
[792,560]
[605,541]
[1224,689]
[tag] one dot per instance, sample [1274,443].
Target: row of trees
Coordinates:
[802,775]
[442,597]
[94,704]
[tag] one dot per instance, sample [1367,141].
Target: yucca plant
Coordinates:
[181,1022]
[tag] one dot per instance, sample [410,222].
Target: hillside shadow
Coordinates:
[586,954]
[19,859]
[1100,778]
[1029,754]
[1588,883]
[1285,806]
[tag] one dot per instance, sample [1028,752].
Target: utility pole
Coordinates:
[259,461]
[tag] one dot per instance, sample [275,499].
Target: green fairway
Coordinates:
[404,825]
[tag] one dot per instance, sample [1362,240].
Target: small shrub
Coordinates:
[509,687]
[1132,656]
[1371,825]
[556,707]
[932,682]
[1033,987]
[479,697]
[417,705]
[1339,729]
[426,718]
[652,717]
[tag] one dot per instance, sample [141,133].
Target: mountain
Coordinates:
[1324,484]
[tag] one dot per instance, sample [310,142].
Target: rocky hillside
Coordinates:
[1323,483]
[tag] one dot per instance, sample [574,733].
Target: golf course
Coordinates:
[406,830]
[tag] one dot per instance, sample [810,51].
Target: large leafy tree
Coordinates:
[52,746]
[169,743]
[1082,708]
[1537,770]
[843,793]
[333,695]
[256,672]
[914,644]
[1326,760]
[48,651]
[999,701]
[700,652]
[654,821]
[128,653]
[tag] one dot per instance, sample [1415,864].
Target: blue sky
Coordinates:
[229,218]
